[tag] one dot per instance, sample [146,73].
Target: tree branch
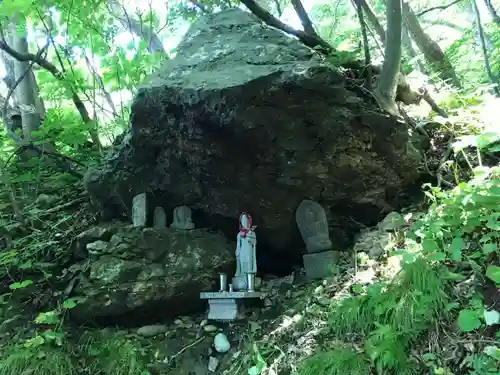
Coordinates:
[309,40]
[47,65]
[440,7]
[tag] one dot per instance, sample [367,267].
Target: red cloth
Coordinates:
[244,231]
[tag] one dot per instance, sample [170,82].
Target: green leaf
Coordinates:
[493,273]
[49,317]
[69,303]
[457,245]
[429,245]
[437,257]
[34,342]
[22,284]
[468,320]
[489,248]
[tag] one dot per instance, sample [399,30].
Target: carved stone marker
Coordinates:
[139,210]
[182,218]
[246,256]
[320,265]
[159,218]
[313,226]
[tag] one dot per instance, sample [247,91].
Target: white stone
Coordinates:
[209,328]
[213,363]
[221,343]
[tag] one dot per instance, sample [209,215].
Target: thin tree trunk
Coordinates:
[430,49]
[136,27]
[373,20]
[26,94]
[388,81]
[304,18]
[492,11]
[487,66]
[366,46]
[410,51]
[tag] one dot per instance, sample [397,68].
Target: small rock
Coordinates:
[392,221]
[319,289]
[152,330]
[178,322]
[323,301]
[96,247]
[212,364]
[203,323]
[209,328]
[221,343]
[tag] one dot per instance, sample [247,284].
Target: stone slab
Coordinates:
[319,265]
[223,309]
[230,295]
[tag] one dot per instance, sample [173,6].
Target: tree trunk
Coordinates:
[388,81]
[429,48]
[21,81]
[493,13]
[373,20]
[471,17]
[487,66]
[410,51]
[304,18]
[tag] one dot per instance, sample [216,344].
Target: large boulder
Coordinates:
[246,118]
[152,273]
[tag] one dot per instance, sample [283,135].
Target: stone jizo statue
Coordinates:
[313,226]
[246,256]
[182,218]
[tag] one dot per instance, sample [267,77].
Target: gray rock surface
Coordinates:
[245,118]
[157,272]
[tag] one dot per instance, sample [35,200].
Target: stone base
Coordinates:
[223,309]
[319,265]
[224,306]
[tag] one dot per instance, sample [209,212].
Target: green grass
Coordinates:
[46,361]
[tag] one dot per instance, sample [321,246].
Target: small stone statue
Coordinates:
[159,218]
[313,226]
[139,210]
[246,256]
[182,218]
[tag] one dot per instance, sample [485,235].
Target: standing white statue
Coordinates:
[246,256]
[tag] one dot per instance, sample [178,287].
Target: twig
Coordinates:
[439,7]
[61,207]
[184,349]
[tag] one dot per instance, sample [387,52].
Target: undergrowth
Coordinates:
[450,257]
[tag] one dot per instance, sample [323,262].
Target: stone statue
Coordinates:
[246,256]
[139,210]
[313,226]
[182,218]
[159,218]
